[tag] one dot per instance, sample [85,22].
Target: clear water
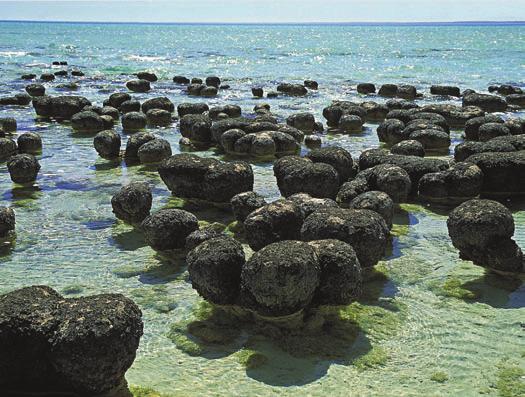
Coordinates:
[68,238]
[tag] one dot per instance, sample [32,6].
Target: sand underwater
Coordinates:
[428,324]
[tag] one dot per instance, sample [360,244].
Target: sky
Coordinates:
[253,11]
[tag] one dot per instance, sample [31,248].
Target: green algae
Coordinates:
[439,376]
[376,357]
[510,380]
[140,391]
[156,297]
[251,359]
[453,288]
[72,290]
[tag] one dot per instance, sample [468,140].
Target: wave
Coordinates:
[144,58]
[12,54]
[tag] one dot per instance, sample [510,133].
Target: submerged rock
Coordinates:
[365,230]
[191,176]
[132,203]
[215,269]
[167,229]
[82,345]
[482,231]
[281,279]
[7,221]
[23,168]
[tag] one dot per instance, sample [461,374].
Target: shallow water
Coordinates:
[433,312]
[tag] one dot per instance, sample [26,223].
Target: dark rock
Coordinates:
[375,111]
[408,148]
[377,201]
[16,100]
[281,279]
[349,123]
[515,126]
[158,103]
[36,89]
[59,107]
[158,118]
[503,173]
[292,89]
[341,279]
[432,139]
[191,108]
[213,81]
[77,73]
[233,111]
[47,77]
[366,88]
[138,85]
[23,168]
[7,125]
[61,73]
[117,99]
[134,143]
[167,229]
[516,100]
[199,236]
[245,203]
[181,80]
[29,76]
[7,223]
[488,103]
[110,111]
[52,343]
[391,131]
[257,92]
[154,151]
[401,104]
[134,121]
[455,116]
[507,89]
[365,230]
[311,84]
[215,269]
[7,148]
[132,203]
[190,176]
[87,122]
[472,126]
[148,76]
[337,157]
[387,178]
[492,130]
[313,141]
[445,90]
[295,174]
[388,90]
[461,182]
[107,144]
[29,142]
[302,121]
[196,127]
[308,204]
[482,231]
[408,92]
[277,221]
[416,167]
[130,106]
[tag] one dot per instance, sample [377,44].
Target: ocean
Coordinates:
[437,325]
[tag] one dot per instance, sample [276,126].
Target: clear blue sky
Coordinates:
[264,10]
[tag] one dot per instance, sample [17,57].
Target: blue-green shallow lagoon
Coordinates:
[455,330]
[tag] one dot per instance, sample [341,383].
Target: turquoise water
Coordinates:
[431,313]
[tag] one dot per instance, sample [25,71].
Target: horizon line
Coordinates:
[472,22]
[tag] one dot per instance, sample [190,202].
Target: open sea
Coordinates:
[438,326]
